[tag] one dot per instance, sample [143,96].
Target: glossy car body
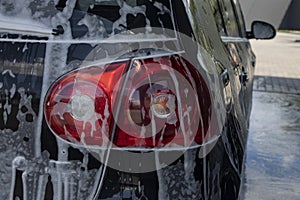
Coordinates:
[46,46]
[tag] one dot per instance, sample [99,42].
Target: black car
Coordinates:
[124,99]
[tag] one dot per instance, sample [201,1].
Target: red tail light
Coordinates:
[78,105]
[152,102]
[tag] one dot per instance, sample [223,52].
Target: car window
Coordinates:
[88,19]
[230,19]
[240,18]
[218,17]
[112,17]
[206,30]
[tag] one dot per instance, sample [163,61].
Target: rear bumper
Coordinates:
[188,177]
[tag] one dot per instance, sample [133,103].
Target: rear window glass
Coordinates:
[91,19]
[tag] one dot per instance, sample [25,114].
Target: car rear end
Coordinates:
[109,100]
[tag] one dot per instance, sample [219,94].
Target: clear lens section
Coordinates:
[150,99]
[82,107]
[163,105]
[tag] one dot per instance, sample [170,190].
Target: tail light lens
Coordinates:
[78,105]
[152,102]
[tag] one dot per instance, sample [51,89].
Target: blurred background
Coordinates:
[283,14]
[272,169]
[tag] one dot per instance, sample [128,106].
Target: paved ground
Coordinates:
[273,150]
[278,64]
[272,164]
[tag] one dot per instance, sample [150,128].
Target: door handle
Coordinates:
[244,77]
[224,73]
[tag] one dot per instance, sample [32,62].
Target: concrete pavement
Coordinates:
[278,64]
[273,149]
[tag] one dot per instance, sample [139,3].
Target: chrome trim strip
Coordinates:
[233,39]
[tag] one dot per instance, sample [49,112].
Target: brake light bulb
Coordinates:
[82,107]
